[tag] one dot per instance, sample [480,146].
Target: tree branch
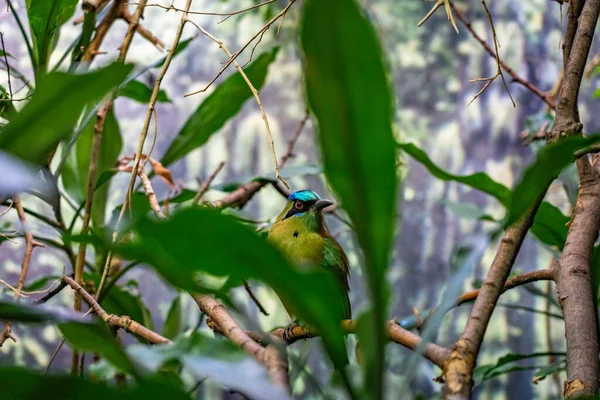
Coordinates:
[112,320]
[516,77]
[431,351]
[458,369]
[30,243]
[519,280]
[240,196]
[204,187]
[272,357]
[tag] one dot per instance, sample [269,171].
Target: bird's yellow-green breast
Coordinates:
[300,233]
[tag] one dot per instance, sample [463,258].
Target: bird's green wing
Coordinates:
[336,261]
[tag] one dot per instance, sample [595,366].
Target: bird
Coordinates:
[301,235]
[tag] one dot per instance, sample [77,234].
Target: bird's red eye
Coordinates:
[298,205]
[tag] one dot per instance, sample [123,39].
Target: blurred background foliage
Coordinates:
[445,230]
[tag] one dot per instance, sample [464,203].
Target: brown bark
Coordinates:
[458,369]
[574,289]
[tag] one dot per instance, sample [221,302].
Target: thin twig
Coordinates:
[257,34]
[516,77]
[62,284]
[242,194]
[499,67]
[228,15]
[446,4]
[256,96]
[30,244]
[149,190]
[204,188]
[10,92]
[60,345]
[254,298]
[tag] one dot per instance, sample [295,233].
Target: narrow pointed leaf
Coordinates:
[549,162]
[173,320]
[44,121]
[549,223]
[76,169]
[141,93]
[221,105]
[478,180]
[96,337]
[349,94]
[45,19]
[19,384]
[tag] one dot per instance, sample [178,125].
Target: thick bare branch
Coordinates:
[273,358]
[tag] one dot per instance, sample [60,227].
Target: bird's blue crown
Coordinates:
[304,195]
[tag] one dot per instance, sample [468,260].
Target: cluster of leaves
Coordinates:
[33,133]
[349,95]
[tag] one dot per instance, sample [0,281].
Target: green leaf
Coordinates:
[45,19]
[44,121]
[221,105]
[530,309]
[349,93]
[230,249]
[173,320]
[87,29]
[141,93]
[468,211]
[76,169]
[550,225]
[97,338]
[487,370]
[83,333]
[120,301]
[478,180]
[207,357]
[549,222]
[551,369]
[549,162]
[38,314]
[20,384]
[7,109]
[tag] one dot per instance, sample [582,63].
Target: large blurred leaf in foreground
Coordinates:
[83,333]
[54,109]
[349,93]
[21,384]
[18,176]
[216,359]
[222,104]
[199,240]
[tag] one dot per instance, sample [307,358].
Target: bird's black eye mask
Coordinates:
[300,207]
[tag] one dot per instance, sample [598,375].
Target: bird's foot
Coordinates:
[288,331]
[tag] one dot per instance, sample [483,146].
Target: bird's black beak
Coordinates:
[321,204]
